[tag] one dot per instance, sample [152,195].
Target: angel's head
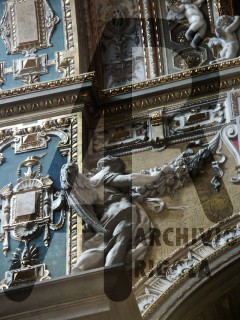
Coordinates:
[116,165]
[69,173]
[224,21]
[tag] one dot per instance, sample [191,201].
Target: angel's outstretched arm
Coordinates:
[135,179]
[235,25]
[198,2]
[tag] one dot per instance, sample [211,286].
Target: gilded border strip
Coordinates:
[68,29]
[86,77]
[73,218]
[217,67]
[124,89]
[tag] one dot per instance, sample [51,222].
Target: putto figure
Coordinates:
[190,10]
[228,38]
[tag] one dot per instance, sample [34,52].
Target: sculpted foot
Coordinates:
[197,39]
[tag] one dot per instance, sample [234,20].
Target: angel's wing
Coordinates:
[80,195]
[173,16]
[75,182]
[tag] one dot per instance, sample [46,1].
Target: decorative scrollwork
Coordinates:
[50,19]
[230,137]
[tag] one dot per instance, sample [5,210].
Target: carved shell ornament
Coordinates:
[26,229]
[180,267]
[146,300]
[226,236]
[29,163]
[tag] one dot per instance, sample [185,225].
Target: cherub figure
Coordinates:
[228,36]
[190,10]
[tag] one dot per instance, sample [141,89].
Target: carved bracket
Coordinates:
[65,63]
[29,68]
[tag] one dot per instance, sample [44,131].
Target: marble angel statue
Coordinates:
[228,38]
[190,10]
[104,202]
[109,201]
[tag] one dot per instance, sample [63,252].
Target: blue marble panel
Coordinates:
[57,41]
[55,255]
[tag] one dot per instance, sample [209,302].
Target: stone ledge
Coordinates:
[79,296]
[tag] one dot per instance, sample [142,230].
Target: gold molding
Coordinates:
[73,220]
[68,26]
[39,105]
[217,67]
[86,77]
[170,99]
[134,106]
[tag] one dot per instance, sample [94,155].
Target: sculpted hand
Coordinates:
[155,172]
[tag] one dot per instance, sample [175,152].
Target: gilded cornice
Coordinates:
[41,87]
[90,76]
[41,108]
[171,101]
[217,67]
[142,108]
[117,101]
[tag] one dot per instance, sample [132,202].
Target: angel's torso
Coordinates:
[192,12]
